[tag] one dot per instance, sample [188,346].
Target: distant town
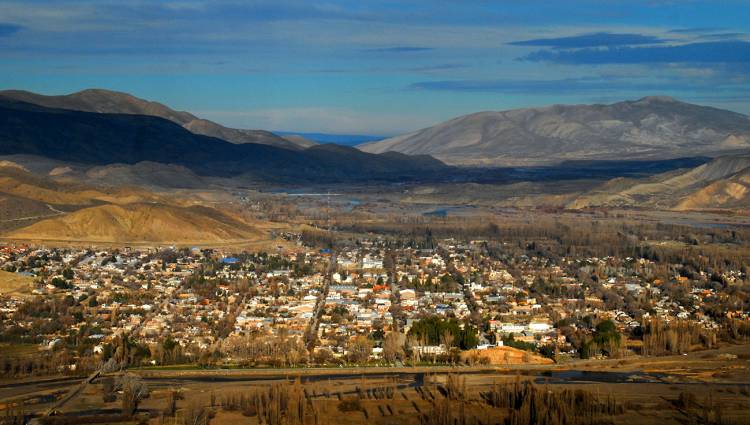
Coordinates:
[456,303]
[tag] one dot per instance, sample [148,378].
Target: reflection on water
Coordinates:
[584,376]
[446,210]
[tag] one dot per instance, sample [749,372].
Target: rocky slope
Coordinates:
[732,192]
[649,128]
[722,183]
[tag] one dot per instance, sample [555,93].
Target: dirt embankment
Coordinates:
[505,356]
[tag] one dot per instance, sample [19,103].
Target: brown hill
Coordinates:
[112,102]
[141,223]
[717,184]
[16,212]
[40,208]
[145,174]
[16,181]
[729,193]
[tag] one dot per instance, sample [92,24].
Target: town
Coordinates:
[455,302]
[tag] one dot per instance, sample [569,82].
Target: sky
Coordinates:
[378,67]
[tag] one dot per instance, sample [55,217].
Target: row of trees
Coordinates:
[434,330]
[553,237]
[677,337]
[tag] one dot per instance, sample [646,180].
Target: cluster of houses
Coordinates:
[199,297]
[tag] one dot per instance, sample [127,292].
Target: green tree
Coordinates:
[433,330]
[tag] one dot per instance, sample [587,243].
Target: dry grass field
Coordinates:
[14,283]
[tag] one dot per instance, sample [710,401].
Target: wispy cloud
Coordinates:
[399,49]
[513,86]
[573,86]
[358,56]
[439,67]
[723,36]
[419,69]
[696,30]
[709,52]
[599,39]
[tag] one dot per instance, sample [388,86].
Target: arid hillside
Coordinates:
[719,184]
[141,223]
[38,207]
[732,192]
[15,180]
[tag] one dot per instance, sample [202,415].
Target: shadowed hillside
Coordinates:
[101,139]
[111,102]
[18,182]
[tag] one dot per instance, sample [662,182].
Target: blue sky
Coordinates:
[378,67]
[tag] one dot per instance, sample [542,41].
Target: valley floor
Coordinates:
[649,390]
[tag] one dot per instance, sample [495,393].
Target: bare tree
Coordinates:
[360,349]
[196,414]
[133,391]
[172,397]
[447,339]
[108,390]
[393,346]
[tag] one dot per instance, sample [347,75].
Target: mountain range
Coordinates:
[97,138]
[103,127]
[118,141]
[654,127]
[105,167]
[112,102]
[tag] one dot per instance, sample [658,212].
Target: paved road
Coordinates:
[395,300]
[312,333]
